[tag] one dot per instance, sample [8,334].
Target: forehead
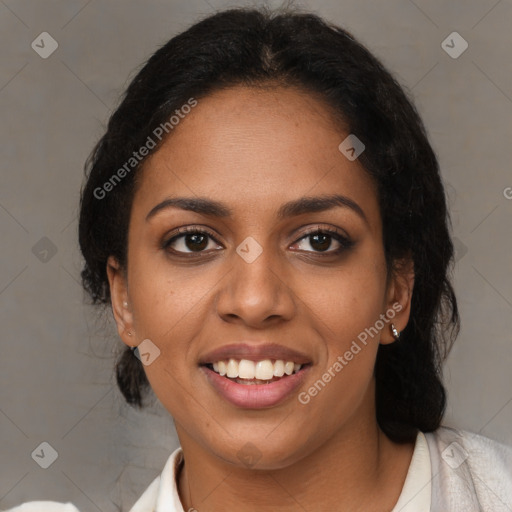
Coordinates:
[246,146]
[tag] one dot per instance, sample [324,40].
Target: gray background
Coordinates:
[56,363]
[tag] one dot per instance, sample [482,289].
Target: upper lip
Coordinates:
[253,352]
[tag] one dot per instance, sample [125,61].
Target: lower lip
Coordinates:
[256,396]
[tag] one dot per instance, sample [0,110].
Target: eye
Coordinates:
[191,240]
[324,240]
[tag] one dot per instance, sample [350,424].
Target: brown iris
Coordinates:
[320,241]
[196,241]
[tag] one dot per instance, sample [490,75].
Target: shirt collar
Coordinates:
[417,490]
[168,499]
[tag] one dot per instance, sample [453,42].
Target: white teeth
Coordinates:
[264,369]
[246,369]
[250,370]
[222,368]
[288,368]
[232,370]
[278,368]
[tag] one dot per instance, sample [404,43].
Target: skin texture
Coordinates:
[253,150]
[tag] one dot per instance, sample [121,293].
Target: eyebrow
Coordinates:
[292,208]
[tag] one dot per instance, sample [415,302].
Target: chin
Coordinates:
[260,453]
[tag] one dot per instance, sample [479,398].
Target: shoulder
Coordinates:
[144,504]
[44,506]
[465,446]
[470,468]
[163,493]
[149,498]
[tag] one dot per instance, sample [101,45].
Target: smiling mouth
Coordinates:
[247,372]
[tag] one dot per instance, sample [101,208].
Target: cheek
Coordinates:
[347,302]
[160,308]
[346,308]
[166,299]
[343,379]
[169,306]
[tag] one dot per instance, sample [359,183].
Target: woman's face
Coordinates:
[256,282]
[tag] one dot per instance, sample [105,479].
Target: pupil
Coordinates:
[323,241]
[196,242]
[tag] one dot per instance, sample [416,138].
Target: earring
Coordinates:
[130,333]
[125,304]
[394,332]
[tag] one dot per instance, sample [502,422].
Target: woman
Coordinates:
[266,217]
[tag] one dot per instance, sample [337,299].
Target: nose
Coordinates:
[256,294]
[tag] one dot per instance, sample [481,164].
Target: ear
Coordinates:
[399,298]
[121,307]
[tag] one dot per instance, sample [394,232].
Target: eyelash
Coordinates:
[344,241]
[188,230]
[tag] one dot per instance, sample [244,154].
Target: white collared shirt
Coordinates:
[450,471]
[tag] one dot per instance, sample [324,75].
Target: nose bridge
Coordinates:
[255,289]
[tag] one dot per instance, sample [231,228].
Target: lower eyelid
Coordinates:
[342,246]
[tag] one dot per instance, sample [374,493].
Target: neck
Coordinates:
[359,467]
